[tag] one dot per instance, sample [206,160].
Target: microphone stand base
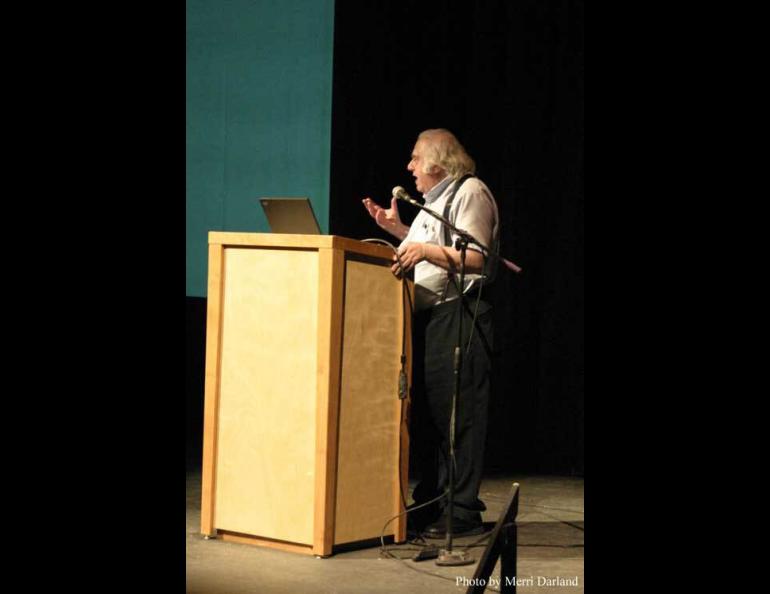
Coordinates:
[454,558]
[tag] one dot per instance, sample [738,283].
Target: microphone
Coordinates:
[401,194]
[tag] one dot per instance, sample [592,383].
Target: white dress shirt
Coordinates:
[473,210]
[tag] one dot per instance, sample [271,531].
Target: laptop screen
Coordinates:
[290,215]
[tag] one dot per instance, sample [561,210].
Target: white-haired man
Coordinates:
[444,174]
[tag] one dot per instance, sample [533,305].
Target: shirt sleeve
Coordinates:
[474,211]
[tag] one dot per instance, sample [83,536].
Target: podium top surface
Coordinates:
[282,240]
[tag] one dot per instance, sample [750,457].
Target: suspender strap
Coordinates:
[448,236]
[448,206]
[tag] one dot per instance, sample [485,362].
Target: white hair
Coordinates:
[442,149]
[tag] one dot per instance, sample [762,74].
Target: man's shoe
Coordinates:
[460,527]
[418,519]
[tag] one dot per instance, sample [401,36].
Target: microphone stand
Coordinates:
[463,235]
[447,556]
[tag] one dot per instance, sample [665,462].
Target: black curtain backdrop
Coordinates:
[506,77]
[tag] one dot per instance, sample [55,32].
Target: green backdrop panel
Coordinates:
[259,90]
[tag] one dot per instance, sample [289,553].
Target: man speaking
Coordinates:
[444,175]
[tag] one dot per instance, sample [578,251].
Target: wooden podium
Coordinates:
[303,448]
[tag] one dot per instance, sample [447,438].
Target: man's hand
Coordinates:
[387,219]
[410,255]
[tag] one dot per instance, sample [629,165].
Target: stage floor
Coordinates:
[550,552]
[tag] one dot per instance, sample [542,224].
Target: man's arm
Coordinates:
[474,213]
[447,258]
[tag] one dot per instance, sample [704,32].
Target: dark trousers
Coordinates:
[434,340]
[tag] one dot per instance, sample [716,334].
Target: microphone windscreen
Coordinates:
[398,191]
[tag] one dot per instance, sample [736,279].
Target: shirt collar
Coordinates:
[437,190]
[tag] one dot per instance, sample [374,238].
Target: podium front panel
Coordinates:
[266,446]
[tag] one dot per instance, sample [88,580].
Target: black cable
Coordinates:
[476,309]
[474,317]
[383,548]
[430,573]
[404,282]
[460,294]
[403,380]
[574,511]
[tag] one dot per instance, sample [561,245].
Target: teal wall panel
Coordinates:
[259,91]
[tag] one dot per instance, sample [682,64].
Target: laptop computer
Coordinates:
[290,215]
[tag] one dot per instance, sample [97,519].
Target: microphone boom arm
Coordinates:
[465,237]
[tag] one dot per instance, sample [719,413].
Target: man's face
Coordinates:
[423,181]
